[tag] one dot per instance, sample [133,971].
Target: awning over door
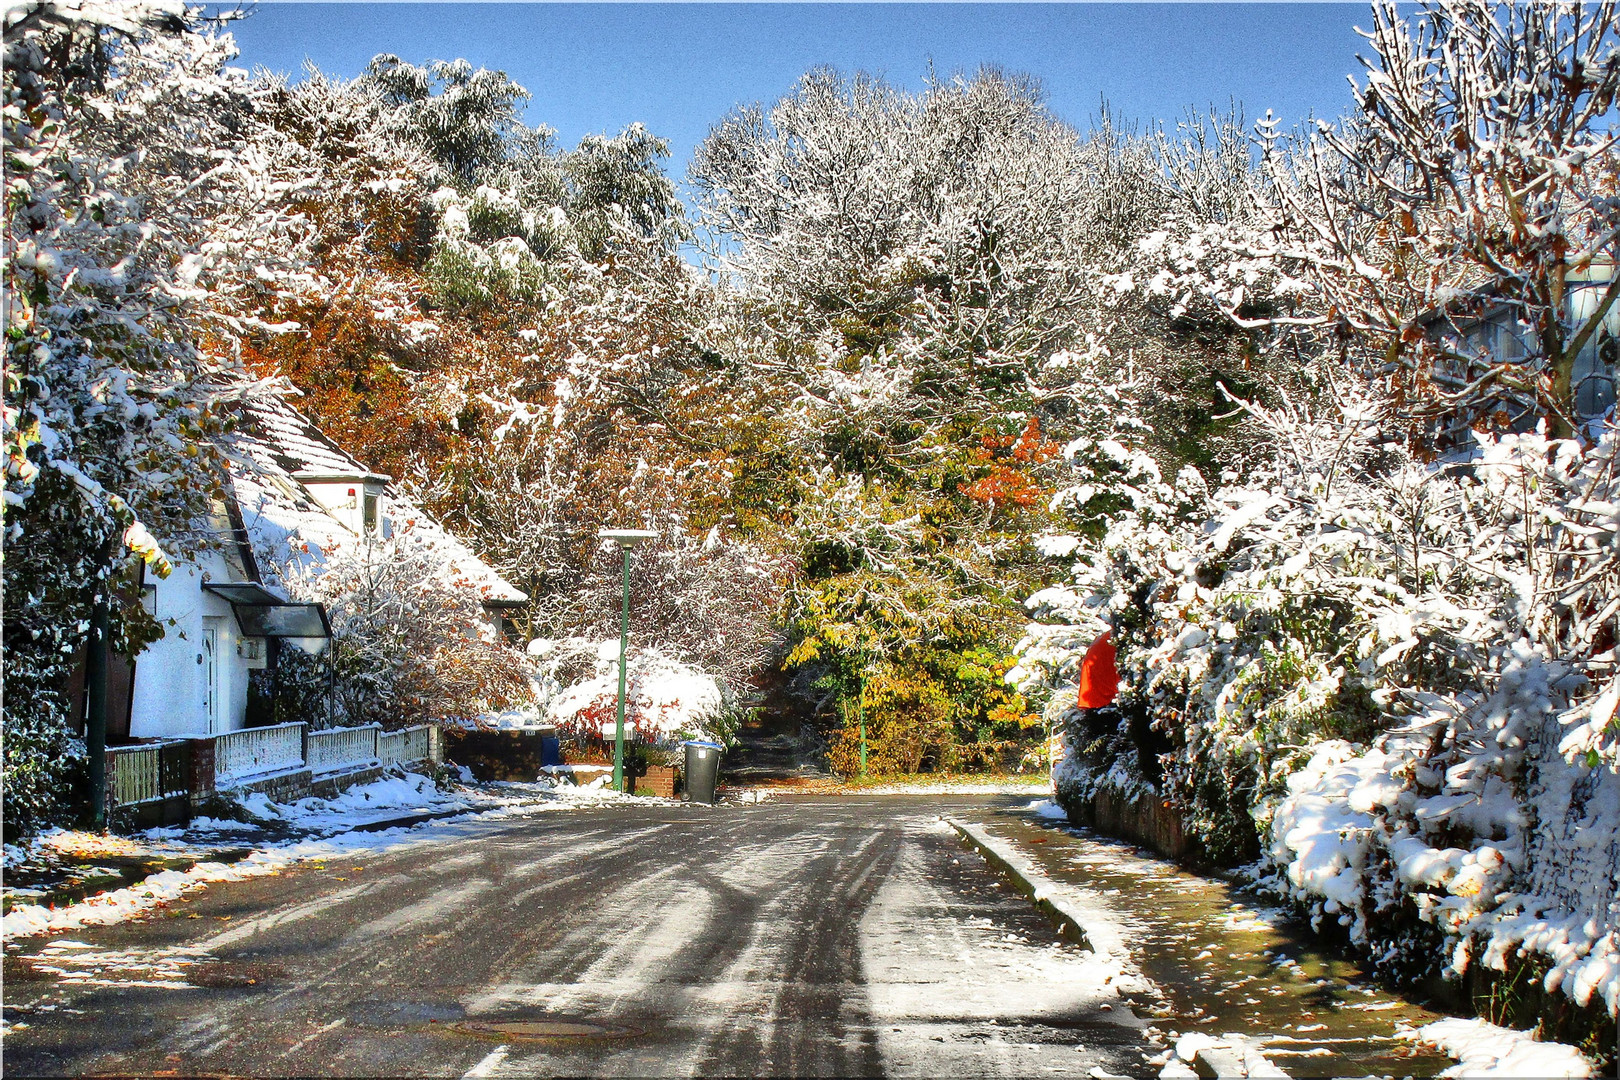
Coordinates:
[261,613]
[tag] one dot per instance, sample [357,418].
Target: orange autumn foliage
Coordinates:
[1010,458]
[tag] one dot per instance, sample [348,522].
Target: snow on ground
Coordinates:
[1046,808]
[1485,1050]
[1229,1055]
[952,994]
[949,787]
[323,828]
[380,800]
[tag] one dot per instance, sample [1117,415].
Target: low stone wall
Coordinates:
[330,786]
[287,786]
[1093,790]
[1146,820]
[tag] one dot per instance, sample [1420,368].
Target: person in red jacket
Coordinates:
[1099,687]
[1105,728]
[1099,678]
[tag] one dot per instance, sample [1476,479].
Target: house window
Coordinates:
[1509,345]
[369,513]
[1594,376]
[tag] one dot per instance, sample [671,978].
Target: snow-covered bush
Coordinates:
[577,687]
[1391,679]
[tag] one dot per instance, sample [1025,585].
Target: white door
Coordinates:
[210,657]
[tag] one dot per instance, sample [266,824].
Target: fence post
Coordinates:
[110,787]
[202,766]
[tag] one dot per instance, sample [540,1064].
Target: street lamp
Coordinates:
[626,539]
[860,711]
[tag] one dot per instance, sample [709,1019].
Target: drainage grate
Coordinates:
[547,1028]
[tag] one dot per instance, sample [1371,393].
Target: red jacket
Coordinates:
[1099,678]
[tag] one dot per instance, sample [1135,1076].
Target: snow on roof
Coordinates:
[272,449]
[280,433]
[461,566]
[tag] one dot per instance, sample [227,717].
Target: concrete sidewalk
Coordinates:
[1241,989]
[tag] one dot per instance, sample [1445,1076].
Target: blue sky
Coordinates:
[679,68]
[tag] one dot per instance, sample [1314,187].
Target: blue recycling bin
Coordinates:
[550,750]
[702,770]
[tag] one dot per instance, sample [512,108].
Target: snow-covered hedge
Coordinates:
[577,687]
[1389,680]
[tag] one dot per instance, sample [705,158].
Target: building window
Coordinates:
[1509,345]
[1594,376]
[369,513]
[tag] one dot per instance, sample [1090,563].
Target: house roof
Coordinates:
[287,437]
[273,450]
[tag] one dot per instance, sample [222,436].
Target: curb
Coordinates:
[1202,1055]
[406,821]
[1028,880]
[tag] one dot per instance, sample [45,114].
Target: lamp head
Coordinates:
[627,537]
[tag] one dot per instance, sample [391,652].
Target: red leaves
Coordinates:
[1009,456]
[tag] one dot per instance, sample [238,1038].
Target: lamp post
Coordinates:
[860,711]
[625,539]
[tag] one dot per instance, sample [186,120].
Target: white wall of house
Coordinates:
[180,689]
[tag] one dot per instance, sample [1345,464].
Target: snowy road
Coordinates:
[825,936]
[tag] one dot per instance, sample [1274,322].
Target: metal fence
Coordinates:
[252,751]
[149,772]
[337,749]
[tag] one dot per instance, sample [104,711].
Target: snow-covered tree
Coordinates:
[1456,235]
[411,643]
[139,216]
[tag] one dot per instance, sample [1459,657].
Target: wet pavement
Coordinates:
[817,936]
[799,936]
[1226,960]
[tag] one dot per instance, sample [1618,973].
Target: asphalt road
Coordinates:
[815,937]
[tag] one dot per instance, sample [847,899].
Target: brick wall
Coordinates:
[202,766]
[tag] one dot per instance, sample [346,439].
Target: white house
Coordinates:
[291,493]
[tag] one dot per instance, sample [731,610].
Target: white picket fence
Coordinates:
[253,751]
[341,749]
[408,745]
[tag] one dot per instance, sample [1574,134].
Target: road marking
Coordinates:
[317,1033]
[245,930]
[487,1067]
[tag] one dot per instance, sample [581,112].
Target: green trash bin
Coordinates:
[702,770]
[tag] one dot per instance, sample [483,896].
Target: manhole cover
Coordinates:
[556,1028]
